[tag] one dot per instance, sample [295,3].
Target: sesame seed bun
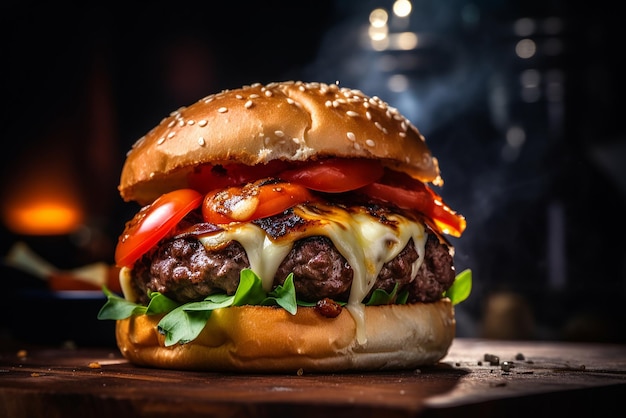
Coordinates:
[291,121]
[269,339]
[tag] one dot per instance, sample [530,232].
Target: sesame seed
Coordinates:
[370,142]
[380,127]
[295,140]
[254,96]
[352,113]
[161,140]
[269,93]
[201,141]
[190,122]
[279,134]
[368,115]
[171,135]
[402,134]
[239,96]
[171,124]
[181,123]
[222,109]
[351,136]
[202,123]
[335,103]
[290,100]
[248,104]
[357,146]
[266,140]
[328,103]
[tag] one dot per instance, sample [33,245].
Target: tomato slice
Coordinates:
[152,223]
[208,177]
[331,175]
[335,175]
[409,193]
[252,201]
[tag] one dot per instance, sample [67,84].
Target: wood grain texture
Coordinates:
[533,378]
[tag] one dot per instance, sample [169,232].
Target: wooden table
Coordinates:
[529,379]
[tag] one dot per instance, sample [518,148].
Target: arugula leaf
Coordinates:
[183,323]
[381,297]
[183,326]
[402,297]
[461,288]
[159,303]
[250,290]
[117,307]
[283,296]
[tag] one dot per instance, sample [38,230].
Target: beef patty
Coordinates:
[182,269]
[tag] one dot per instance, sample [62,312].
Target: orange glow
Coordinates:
[44,218]
[43,197]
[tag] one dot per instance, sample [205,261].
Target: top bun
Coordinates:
[292,121]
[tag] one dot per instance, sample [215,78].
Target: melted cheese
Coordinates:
[366,243]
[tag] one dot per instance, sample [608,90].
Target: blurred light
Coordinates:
[530,81]
[524,27]
[405,41]
[402,8]
[525,48]
[378,33]
[515,136]
[44,197]
[531,94]
[398,83]
[554,86]
[380,44]
[530,78]
[498,102]
[45,217]
[378,18]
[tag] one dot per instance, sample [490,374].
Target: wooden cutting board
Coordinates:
[478,377]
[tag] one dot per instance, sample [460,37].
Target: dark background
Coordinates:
[545,209]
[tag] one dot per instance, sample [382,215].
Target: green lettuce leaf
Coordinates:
[182,323]
[461,288]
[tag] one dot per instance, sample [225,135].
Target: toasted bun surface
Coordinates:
[269,339]
[292,121]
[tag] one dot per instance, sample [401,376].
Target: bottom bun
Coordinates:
[269,339]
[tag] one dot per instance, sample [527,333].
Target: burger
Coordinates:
[287,227]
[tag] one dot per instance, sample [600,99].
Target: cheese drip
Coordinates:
[362,239]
